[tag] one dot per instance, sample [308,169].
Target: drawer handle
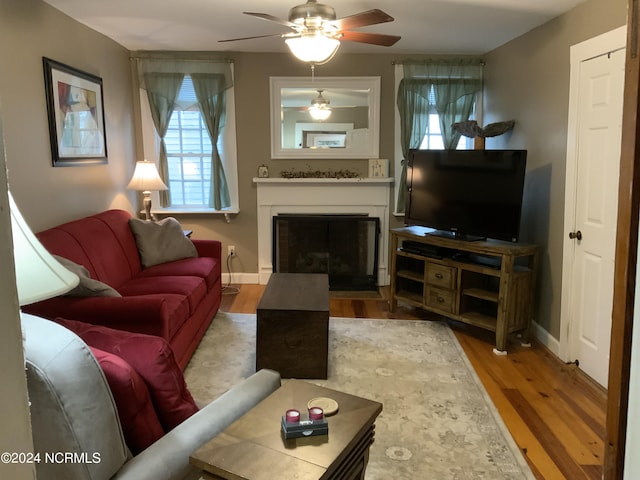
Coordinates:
[439,276]
[440,299]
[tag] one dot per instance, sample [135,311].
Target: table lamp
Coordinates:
[146,179]
[38,275]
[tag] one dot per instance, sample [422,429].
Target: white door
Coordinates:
[592,238]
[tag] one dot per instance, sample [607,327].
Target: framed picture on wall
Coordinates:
[75,111]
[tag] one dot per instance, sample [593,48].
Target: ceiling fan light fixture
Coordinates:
[319,109]
[315,48]
[317,32]
[319,113]
[311,10]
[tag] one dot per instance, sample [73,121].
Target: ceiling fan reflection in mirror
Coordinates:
[317,31]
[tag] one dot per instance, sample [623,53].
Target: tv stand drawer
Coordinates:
[441,275]
[440,299]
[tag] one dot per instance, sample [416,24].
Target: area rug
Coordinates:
[437,421]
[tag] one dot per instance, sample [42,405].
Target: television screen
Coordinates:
[470,193]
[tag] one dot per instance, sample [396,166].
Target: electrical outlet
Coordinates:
[231,250]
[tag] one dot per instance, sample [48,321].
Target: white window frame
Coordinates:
[229,156]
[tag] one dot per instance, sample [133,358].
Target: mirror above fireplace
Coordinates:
[352,129]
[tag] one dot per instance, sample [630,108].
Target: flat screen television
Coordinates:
[468,194]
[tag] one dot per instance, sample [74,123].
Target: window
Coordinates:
[433,137]
[189,150]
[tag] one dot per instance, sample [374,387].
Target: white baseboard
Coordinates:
[241,278]
[545,338]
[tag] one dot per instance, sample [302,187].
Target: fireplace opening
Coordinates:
[343,246]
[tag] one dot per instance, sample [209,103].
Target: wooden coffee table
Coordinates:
[252,448]
[292,332]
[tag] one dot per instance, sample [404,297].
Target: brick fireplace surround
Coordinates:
[366,196]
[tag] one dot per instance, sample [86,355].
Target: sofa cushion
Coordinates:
[152,358]
[161,242]
[103,243]
[193,288]
[203,267]
[140,424]
[175,312]
[88,287]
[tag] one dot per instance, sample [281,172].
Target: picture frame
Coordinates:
[378,168]
[75,110]
[263,171]
[324,139]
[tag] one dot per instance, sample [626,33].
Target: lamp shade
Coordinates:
[316,48]
[146,178]
[38,275]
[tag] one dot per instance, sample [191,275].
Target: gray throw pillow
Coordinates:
[88,287]
[161,242]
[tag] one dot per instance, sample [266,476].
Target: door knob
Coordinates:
[577,235]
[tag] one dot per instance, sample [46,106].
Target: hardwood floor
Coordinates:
[555,414]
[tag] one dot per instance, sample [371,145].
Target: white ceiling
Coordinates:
[426,26]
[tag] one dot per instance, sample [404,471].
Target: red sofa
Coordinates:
[176,300]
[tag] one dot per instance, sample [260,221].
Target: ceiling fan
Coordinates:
[317,31]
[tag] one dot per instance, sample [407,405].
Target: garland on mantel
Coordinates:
[344,173]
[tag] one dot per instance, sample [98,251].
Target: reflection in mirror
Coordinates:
[349,107]
[348,115]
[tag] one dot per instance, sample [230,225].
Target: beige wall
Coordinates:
[29,30]
[528,80]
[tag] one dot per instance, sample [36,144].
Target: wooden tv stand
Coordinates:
[486,283]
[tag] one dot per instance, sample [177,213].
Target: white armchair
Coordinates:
[73,412]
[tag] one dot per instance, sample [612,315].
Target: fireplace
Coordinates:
[342,245]
[368,197]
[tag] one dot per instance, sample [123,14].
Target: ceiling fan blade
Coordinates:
[249,38]
[271,18]
[370,17]
[371,38]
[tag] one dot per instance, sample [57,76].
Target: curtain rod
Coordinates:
[481,61]
[175,59]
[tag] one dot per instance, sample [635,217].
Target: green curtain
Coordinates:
[456,84]
[413,107]
[453,111]
[210,91]
[162,90]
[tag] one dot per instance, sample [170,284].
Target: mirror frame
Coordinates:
[371,150]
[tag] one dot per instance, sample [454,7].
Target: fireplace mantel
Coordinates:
[324,181]
[370,196]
